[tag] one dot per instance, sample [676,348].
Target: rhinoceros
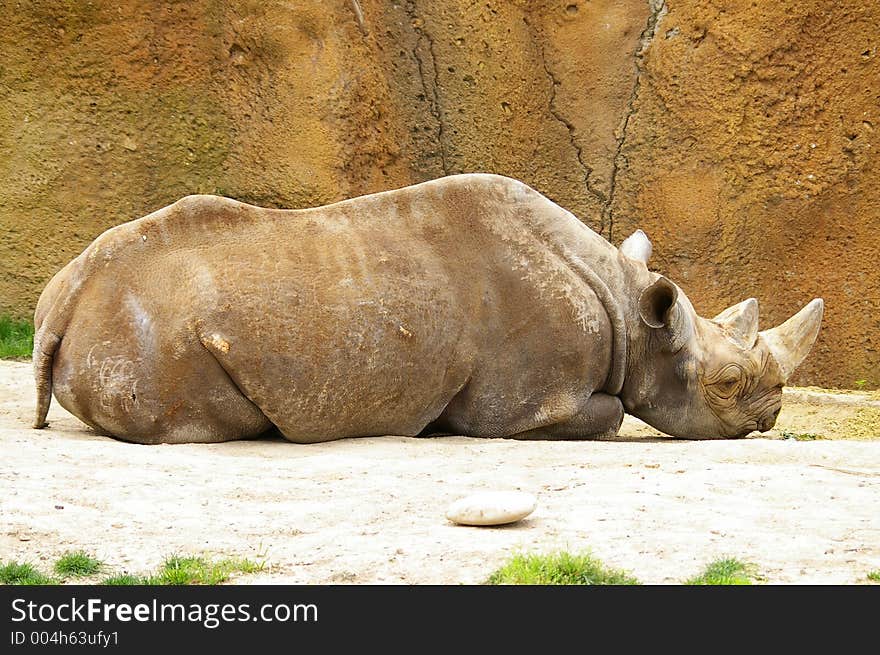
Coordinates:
[471,305]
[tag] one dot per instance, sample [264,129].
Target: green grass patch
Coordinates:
[23,574]
[178,570]
[561,568]
[800,436]
[16,338]
[123,579]
[874,576]
[77,564]
[727,571]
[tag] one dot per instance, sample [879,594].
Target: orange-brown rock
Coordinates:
[741,136]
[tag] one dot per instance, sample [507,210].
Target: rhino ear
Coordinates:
[659,309]
[637,246]
[741,322]
[657,303]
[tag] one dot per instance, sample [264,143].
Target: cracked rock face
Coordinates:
[740,136]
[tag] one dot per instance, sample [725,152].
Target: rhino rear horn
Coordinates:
[791,341]
[637,246]
[741,322]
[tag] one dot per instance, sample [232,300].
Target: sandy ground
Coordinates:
[373,510]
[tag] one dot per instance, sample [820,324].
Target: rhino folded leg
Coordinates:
[598,417]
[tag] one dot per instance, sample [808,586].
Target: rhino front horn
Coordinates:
[791,341]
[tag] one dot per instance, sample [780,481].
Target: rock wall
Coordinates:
[741,136]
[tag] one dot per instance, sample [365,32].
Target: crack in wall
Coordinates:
[432,94]
[436,106]
[579,151]
[658,11]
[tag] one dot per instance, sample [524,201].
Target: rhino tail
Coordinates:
[45,344]
[50,328]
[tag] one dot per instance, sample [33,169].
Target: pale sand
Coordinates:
[373,510]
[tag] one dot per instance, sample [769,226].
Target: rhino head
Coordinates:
[700,378]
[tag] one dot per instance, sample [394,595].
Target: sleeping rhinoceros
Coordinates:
[470,304]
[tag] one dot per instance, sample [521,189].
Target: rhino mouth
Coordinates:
[768,412]
[760,416]
[764,408]
[767,422]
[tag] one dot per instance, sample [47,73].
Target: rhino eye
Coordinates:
[728,381]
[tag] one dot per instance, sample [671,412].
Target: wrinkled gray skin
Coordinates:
[470,304]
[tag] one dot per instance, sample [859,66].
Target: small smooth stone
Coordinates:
[491,508]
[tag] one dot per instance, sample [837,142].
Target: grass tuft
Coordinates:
[23,574]
[800,436]
[125,579]
[177,570]
[561,568]
[77,564]
[874,576]
[727,571]
[16,338]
